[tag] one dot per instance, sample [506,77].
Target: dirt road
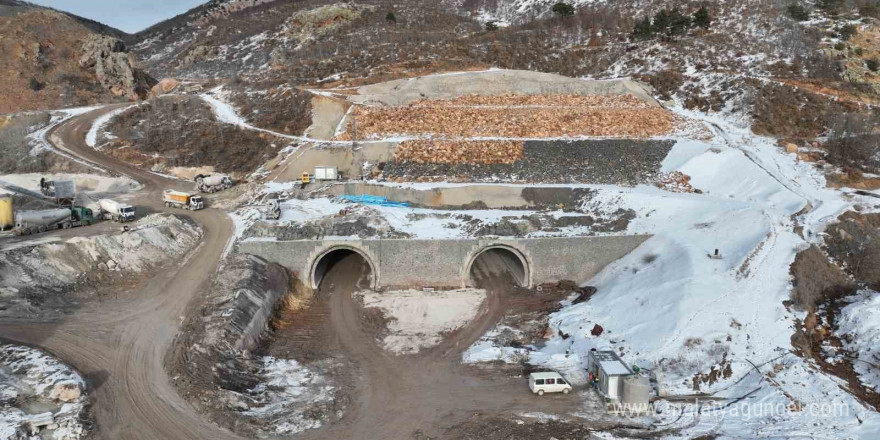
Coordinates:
[398,397]
[120,345]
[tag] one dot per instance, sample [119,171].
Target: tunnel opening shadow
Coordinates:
[495,267]
[343,267]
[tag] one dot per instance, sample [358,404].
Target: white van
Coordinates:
[548,382]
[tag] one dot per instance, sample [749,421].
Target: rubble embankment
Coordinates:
[217,363]
[44,278]
[606,161]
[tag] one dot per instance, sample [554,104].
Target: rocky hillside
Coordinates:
[49,59]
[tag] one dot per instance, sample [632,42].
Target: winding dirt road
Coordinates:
[120,345]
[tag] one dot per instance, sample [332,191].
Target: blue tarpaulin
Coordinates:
[373,200]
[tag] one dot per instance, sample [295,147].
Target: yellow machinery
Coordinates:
[306,178]
[7,217]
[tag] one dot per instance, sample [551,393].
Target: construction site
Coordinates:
[423,262]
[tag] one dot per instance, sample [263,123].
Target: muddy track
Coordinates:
[120,345]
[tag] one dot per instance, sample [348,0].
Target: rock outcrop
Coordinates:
[114,67]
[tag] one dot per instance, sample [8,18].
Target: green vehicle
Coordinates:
[34,222]
[80,216]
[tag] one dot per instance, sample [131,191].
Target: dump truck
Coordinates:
[179,199]
[32,222]
[211,183]
[118,212]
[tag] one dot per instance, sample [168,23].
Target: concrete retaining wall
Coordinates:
[447,263]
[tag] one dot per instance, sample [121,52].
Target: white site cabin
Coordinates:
[610,371]
[548,382]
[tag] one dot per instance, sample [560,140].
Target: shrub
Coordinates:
[870,10]
[643,30]
[873,64]
[848,31]
[35,85]
[831,6]
[491,26]
[391,17]
[563,9]
[798,12]
[840,46]
[702,18]
[858,51]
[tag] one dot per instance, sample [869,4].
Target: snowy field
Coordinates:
[40,398]
[419,319]
[670,308]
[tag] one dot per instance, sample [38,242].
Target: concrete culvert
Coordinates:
[352,260]
[499,263]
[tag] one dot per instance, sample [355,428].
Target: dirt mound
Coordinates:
[217,363]
[182,131]
[557,116]
[473,152]
[47,278]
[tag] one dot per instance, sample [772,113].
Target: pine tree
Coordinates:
[662,22]
[391,17]
[643,30]
[702,18]
[563,9]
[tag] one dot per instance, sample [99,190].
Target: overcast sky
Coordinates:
[128,15]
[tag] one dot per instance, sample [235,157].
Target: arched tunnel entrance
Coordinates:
[344,265]
[499,264]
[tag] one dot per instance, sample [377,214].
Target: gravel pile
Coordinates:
[609,161]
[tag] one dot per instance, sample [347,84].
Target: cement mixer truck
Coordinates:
[118,212]
[211,183]
[32,222]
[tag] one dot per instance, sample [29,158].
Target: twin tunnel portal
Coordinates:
[448,263]
[495,259]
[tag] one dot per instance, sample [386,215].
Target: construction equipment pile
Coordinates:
[452,152]
[675,181]
[555,101]
[548,116]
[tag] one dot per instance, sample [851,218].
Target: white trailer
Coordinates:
[118,212]
[326,173]
[210,183]
[29,222]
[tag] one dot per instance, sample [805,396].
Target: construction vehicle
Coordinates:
[211,183]
[118,212]
[32,222]
[272,211]
[306,179]
[182,200]
[7,215]
[63,191]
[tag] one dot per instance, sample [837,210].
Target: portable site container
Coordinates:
[609,372]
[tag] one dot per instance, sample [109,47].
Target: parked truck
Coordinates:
[32,222]
[179,199]
[118,212]
[211,183]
